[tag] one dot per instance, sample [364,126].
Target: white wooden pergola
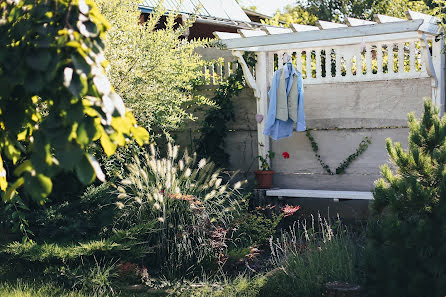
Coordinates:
[388,48]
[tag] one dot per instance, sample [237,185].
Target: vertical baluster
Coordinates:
[390,58]
[280,58]
[299,60]
[359,69]
[379,59]
[318,64]
[211,74]
[368,59]
[338,55]
[269,68]
[234,66]
[328,63]
[348,57]
[412,56]
[219,72]
[227,69]
[401,70]
[204,78]
[422,59]
[308,62]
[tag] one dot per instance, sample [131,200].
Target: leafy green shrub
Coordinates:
[307,257]
[55,100]
[188,201]
[256,228]
[80,218]
[406,247]
[152,66]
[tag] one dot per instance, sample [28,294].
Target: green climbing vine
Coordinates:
[214,126]
[346,163]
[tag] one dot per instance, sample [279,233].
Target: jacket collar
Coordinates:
[286,71]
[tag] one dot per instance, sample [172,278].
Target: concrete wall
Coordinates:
[342,114]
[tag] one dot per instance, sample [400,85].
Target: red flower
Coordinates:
[285,155]
[289,210]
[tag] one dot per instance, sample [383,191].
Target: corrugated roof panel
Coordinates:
[234,11]
[224,9]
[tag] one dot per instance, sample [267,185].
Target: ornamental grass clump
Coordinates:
[306,257]
[192,204]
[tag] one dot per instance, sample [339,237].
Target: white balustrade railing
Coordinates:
[399,59]
[221,65]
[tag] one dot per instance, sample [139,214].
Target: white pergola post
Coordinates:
[263,142]
[438,64]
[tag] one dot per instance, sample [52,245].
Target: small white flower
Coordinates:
[156,206]
[138,200]
[188,172]
[181,165]
[120,205]
[218,182]
[160,219]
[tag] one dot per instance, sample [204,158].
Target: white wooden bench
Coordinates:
[335,195]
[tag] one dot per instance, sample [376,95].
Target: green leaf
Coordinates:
[85,171]
[10,191]
[108,146]
[24,167]
[12,153]
[39,59]
[34,82]
[38,186]
[80,64]
[140,134]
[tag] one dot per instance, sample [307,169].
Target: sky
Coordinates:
[268,7]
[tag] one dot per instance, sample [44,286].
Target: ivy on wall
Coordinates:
[363,145]
[214,129]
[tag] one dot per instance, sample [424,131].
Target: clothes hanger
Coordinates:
[286,58]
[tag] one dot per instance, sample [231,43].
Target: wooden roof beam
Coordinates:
[382,19]
[226,35]
[303,28]
[282,41]
[277,30]
[430,23]
[323,25]
[353,22]
[251,33]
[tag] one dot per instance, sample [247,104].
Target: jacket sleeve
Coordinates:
[301,124]
[272,94]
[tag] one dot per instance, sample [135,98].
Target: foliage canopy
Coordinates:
[55,100]
[406,252]
[308,12]
[152,66]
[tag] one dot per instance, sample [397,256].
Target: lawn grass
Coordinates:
[42,289]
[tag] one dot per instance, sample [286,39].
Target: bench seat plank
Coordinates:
[320,194]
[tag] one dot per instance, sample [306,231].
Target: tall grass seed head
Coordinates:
[202,163]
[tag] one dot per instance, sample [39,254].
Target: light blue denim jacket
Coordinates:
[278,129]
